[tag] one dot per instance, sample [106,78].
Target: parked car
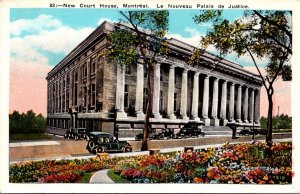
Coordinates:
[104,142]
[189,130]
[76,133]
[152,135]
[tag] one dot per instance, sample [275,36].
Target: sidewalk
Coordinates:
[59,149]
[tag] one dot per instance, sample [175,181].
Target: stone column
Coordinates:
[61,95]
[71,89]
[224,103]
[206,101]
[246,96]
[120,92]
[195,97]
[251,105]
[231,105]
[257,107]
[139,91]
[183,103]
[156,92]
[214,112]
[65,105]
[52,99]
[88,77]
[171,87]
[239,104]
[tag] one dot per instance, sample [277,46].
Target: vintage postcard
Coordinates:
[149,96]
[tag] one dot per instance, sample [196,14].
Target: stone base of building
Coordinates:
[140,115]
[121,115]
[206,122]
[215,122]
[172,117]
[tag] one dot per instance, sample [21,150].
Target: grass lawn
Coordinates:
[86,178]
[117,178]
[27,136]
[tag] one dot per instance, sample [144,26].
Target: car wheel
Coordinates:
[65,136]
[100,149]
[124,149]
[91,145]
[76,137]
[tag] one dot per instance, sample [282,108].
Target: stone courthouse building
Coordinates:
[90,88]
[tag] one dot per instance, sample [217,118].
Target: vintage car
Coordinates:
[76,133]
[189,130]
[104,142]
[154,134]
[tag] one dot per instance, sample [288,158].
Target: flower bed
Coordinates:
[231,163]
[51,171]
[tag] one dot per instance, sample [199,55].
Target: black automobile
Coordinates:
[189,130]
[104,142]
[152,135]
[76,133]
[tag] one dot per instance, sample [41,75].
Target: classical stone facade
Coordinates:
[214,93]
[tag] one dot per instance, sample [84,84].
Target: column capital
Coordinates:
[185,70]
[207,76]
[232,84]
[157,64]
[217,79]
[240,86]
[172,66]
[196,73]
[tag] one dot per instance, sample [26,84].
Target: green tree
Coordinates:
[26,123]
[144,40]
[40,124]
[260,34]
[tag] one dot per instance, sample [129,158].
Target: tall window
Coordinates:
[75,89]
[93,95]
[127,69]
[85,96]
[85,70]
[175,102]
[126,99]
[161,100]
[145,99]
[93,65]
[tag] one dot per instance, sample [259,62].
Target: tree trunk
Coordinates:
[270,119]
[146,129]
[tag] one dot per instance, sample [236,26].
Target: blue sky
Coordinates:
[181,26]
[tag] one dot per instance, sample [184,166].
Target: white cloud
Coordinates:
[193,39]
[42,22]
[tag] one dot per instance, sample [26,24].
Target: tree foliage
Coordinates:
[26,123]
[282,121]
[260,34]
[140,36]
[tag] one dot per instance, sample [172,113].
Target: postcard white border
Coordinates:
[5,5]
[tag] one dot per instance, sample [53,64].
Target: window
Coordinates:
[93,95]
[161,100]
[85,96]
[175,102]
[126,100]
[145,99]
[127,69]
[93,66]
[85,70]
[145,71]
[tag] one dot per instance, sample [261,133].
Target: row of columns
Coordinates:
[195,98]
